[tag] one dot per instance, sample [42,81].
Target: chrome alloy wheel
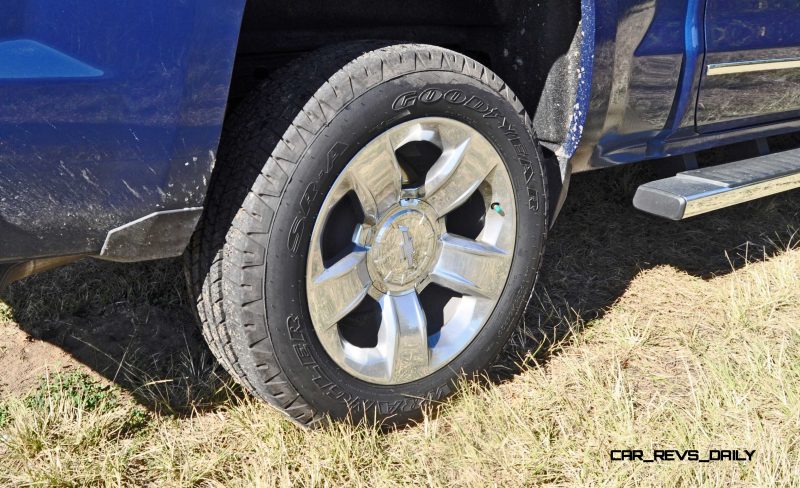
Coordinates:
[397,284]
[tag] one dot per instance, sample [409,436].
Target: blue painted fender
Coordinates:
[109,112]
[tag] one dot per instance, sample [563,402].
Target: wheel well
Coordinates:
[524,42]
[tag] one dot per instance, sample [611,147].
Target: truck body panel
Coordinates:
[111,113]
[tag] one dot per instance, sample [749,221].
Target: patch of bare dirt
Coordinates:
[23,360]
[131,327]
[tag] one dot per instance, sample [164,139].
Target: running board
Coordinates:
[703,190]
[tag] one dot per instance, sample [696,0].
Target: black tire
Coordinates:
[281,151]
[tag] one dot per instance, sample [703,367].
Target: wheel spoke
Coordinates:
[457,173]
[470,267]
[340,288]
[376,178]
[403,337]
[445,167]
[418,133]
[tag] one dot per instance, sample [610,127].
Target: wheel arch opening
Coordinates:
[532,46]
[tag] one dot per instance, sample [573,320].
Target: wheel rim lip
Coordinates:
[470,314]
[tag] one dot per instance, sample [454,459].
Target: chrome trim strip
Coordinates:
[726,197]
[752,66]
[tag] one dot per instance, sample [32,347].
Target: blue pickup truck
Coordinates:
[362,189]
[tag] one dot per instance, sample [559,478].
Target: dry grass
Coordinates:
[643,334]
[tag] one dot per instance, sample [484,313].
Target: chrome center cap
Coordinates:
[402,250]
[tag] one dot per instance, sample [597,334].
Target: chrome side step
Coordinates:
[703,190]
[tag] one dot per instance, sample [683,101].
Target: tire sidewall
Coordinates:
[319,380]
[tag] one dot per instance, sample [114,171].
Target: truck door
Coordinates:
[752,68]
